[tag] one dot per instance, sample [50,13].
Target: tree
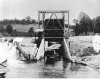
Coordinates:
[31,31]
[83,24]
[5,21]
[28,18]
[2,29]
[9,29]
[33,21]
[86,22]
[23,21]
[97,24]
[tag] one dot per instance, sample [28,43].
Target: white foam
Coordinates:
[18,39]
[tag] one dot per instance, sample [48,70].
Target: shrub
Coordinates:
[89,51]
[9,29]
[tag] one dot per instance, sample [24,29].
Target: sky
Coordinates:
[10,9]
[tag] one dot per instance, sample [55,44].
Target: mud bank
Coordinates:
[82,51]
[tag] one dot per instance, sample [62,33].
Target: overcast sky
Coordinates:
[10,9]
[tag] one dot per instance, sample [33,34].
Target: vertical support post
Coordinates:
[44,49]
[35,36]
[68,23]
[42,19]
[38,19]
[43,26]
[43,16]
[63,22]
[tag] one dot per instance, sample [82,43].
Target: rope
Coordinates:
[2,65]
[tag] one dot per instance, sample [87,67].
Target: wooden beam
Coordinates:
[39,19]
[53,11]
[64,22]
[68,23]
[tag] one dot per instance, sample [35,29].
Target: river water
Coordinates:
[59,69]
[40,69]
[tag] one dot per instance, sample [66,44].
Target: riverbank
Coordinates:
[60,69]
[82,51]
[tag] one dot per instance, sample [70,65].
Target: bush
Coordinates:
[2,29]
[88,52]
[9,29]
[31,32]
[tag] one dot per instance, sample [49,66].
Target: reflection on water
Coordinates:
[39,69]
[60,69]
[2,75]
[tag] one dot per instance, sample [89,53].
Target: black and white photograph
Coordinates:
[50,39]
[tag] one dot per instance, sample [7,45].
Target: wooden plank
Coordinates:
[52,11]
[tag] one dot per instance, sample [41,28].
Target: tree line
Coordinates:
[9,31]
[25,21]
[84,24]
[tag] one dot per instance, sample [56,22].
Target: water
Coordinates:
[39,69]
[60,69]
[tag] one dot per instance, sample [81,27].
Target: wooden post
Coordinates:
[38,19]
[35,36]
[42,19]
[64,22]
[68,24]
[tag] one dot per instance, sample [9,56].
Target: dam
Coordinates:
[51,41]
[49,45]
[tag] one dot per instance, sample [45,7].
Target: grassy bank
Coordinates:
[23,28]
[82,50]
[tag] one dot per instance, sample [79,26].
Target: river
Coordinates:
[59,69]
[40,69]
